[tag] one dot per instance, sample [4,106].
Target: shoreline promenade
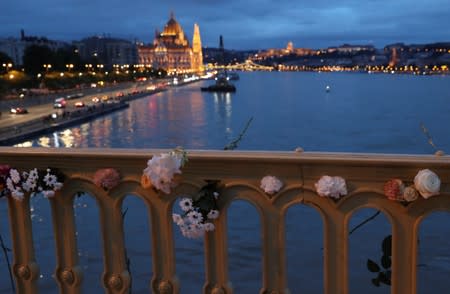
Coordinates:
[42,118]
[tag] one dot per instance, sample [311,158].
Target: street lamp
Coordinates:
[7,66]
[88,67]
[47,67]
[69,66]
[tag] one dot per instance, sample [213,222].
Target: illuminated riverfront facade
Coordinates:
[171,50]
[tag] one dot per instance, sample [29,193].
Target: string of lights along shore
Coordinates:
[172,51]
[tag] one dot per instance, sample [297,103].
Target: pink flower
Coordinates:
[393,189]
[107,178]
[4,170]
[4,173]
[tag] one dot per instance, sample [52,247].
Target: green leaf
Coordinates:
[376,282]
[387,245]
[383,278]
[372,266]
[388,274]
[386,261]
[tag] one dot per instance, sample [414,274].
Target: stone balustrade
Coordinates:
[240,174]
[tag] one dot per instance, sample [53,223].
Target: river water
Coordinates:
[361,113]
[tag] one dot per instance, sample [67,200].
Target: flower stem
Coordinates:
[5,252]
[364,222]
[233,144]
[428,135]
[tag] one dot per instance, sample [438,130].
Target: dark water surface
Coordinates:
[361,113]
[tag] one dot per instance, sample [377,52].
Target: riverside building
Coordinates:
[171,50]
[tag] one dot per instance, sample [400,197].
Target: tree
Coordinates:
[35,57]
[66,56]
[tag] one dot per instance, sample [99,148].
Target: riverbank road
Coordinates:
[43,106]
[47,117]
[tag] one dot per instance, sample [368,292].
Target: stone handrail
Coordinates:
[240,174]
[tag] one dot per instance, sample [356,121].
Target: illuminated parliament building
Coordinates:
[171,50]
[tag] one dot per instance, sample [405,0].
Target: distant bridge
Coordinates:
[248,65]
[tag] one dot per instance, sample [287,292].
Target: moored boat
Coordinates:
[222,85]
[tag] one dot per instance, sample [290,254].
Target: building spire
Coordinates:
[172,15]
[221,43]
[197,56]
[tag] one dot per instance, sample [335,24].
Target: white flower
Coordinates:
[31,180]
[216,195]
[331,187]
[10,184]
[14,175]
[209,227]
[213,214]
[427,183]
[161,169]
[177,219]
[197,230]
[271,184]
[48,193]
[51,183]
[195,217]
[186,204]
[57,186]
[50,180]
[17,194]
[193,231]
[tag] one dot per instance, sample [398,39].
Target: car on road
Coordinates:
[95,99]
[79,104]
[74,96]
[18,110]
[59,103]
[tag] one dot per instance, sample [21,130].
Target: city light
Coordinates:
[7,65]
[47,67]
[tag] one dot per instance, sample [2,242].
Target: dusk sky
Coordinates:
[244,24]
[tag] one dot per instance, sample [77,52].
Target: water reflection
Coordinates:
[44,141]
[25,144]
[223,110]
[362,113]
[55,139]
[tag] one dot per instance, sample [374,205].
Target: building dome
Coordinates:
[172,28]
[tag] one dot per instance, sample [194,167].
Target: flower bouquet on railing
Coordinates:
[16,184]
[199,212]
[332,187]
[107,178]
[4,173]
[50,181]
[426,184]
